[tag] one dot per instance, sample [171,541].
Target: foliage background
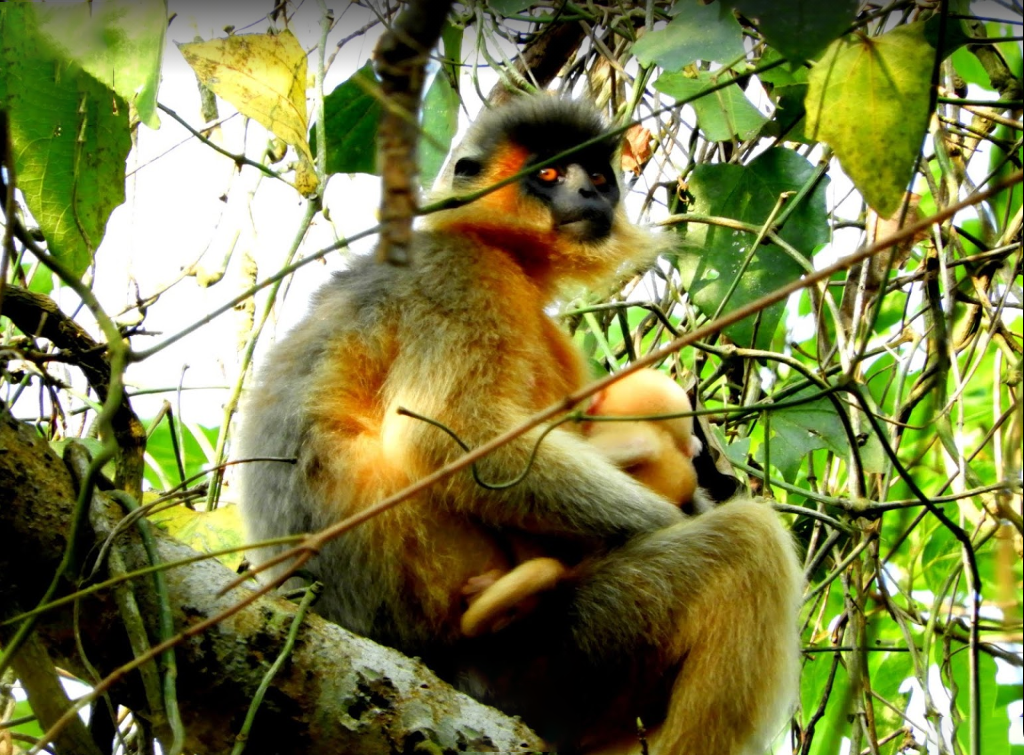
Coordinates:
[881,410]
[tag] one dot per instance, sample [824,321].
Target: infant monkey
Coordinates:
[657,452]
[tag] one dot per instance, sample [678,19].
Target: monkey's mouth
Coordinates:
[586,226]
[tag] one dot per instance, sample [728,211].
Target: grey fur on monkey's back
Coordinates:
[366,299]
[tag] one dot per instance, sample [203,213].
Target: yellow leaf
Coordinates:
[263,75]
[205,531]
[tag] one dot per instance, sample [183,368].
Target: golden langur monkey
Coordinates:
[689,623]
[658,453]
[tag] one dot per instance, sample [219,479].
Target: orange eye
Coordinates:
[598,179]
[548,175]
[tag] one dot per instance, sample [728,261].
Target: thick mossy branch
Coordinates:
[337,693]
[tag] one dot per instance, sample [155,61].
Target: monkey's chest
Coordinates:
[556,367]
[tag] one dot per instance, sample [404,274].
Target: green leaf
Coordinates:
[451,38]
[161,464]
[787,85]
[711,256]
[799,430]
[868,98]
[698,32]
[994,723]
[70,139]
[722,114]
[790,120]
[835,724]
[957,34]
[351,118]
[941,553]
[440,122]
[787,74]
[117,42]
[32,729]
[41,281]
[799,29]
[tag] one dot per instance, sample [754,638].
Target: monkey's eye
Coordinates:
[468,167]
[548,175]
[598,179]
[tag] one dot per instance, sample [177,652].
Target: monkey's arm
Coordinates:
[557,484]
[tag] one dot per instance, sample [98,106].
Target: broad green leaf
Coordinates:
[995,724]
[698,32]
[711,256]
[969,68]
[205,531]
[787,74]
[440,122]
[736,452]
[722,114]
[940,554]
[41,281]
[70,139]
[162,466]
[790,121]
[451,39]
[868,98]
[888,672]
[787,85]
[264,77]
[799,29]
[835,724]
[351,118]
[22,709]
[957,34]
[798,430]
[117,42]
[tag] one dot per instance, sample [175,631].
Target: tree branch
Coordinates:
[337,692]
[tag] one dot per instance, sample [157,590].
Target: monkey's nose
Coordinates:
[578,180]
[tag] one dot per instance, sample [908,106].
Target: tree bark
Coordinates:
[336,693]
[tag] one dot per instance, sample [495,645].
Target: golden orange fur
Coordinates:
[689,623]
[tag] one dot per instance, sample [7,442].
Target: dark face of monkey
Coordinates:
[579,188]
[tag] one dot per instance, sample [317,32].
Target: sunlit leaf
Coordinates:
[711,256]
[799,29]
[263,76]
[798,430]
[118,42]
[351,118]
[721,114]
[70,139]
[868,99]
[440,122]
[698,32]
[205,531]
[162,465]
[994,723]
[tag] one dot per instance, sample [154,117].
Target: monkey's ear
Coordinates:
[467,167]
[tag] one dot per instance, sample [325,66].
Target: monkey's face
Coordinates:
[575,197]
[556,208]
[581,197]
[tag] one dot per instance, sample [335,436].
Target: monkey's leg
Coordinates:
[715,597]
[490,610]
